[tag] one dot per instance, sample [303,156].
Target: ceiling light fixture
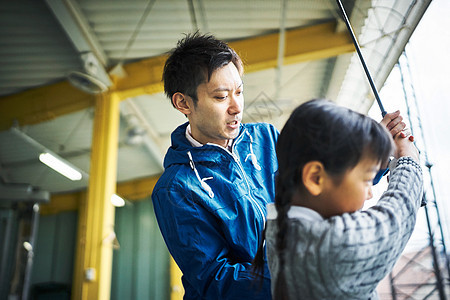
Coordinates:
[117,201]
[60,166]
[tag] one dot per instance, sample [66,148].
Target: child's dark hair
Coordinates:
[192,62]
[337,137]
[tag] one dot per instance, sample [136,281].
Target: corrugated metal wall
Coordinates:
[141,265]
[8,240]
[55,249]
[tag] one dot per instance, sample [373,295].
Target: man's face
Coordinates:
[218,113]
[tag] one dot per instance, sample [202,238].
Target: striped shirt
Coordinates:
[346,256]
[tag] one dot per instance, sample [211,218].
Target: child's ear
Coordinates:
[313,175]
[181,103]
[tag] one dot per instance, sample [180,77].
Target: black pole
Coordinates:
[393,292]
[4,279]
[361,58]
[30,256]
[437,271]
[427,163]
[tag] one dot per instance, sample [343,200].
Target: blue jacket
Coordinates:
[210,204]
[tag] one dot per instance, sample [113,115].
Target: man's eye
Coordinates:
[220,97]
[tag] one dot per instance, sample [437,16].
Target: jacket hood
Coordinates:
[176,154]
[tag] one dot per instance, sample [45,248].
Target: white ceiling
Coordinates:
[42,41]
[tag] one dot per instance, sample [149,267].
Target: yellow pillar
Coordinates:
[96,215]
[78,273]
[176,286]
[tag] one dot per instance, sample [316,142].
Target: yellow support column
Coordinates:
[96,215]
[78,273]
[176,286]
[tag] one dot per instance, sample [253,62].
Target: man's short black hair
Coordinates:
[193,61]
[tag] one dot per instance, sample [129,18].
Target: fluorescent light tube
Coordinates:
[117,201]
[60,166]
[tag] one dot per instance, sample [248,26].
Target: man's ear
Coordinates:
[313,174]
[181,103]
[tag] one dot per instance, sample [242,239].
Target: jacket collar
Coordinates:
[177,153]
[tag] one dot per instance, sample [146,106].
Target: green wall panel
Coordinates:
[55,249]
[141,265]
[53,263]
[8,243]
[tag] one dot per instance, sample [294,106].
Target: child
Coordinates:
[320,245]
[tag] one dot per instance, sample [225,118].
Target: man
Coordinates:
[210,202]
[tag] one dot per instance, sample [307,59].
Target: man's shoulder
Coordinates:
[259,126]
[171,177]
[262,128]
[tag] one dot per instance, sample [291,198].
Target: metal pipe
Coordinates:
[425,153]
[4,281]
[437,271]
[30,255]
[281,49]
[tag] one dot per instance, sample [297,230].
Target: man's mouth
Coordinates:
[235,122]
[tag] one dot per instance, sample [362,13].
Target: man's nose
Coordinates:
[236,104]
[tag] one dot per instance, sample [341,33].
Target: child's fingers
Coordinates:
[406,133]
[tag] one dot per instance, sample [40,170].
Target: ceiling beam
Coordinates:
[144,77]
[22,193]
[134,190]
[42,104]
[303,44]
[72,20]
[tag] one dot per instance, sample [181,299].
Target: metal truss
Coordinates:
[426,273]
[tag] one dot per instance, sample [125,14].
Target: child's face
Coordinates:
[355,187]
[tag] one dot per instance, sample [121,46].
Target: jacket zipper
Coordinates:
[238,162]
[236,159]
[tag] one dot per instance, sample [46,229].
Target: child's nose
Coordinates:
[369,194]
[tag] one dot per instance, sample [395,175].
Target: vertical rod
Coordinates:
[439,284]
[437,270]
[4,281]
[30,255]
[427,163]
[281,48]
[361,58]
[393,292]
[193,17]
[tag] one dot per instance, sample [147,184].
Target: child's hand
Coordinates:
[405,146]
[393,122]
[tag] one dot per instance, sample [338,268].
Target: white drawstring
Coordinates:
[204,185]
[252,155]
